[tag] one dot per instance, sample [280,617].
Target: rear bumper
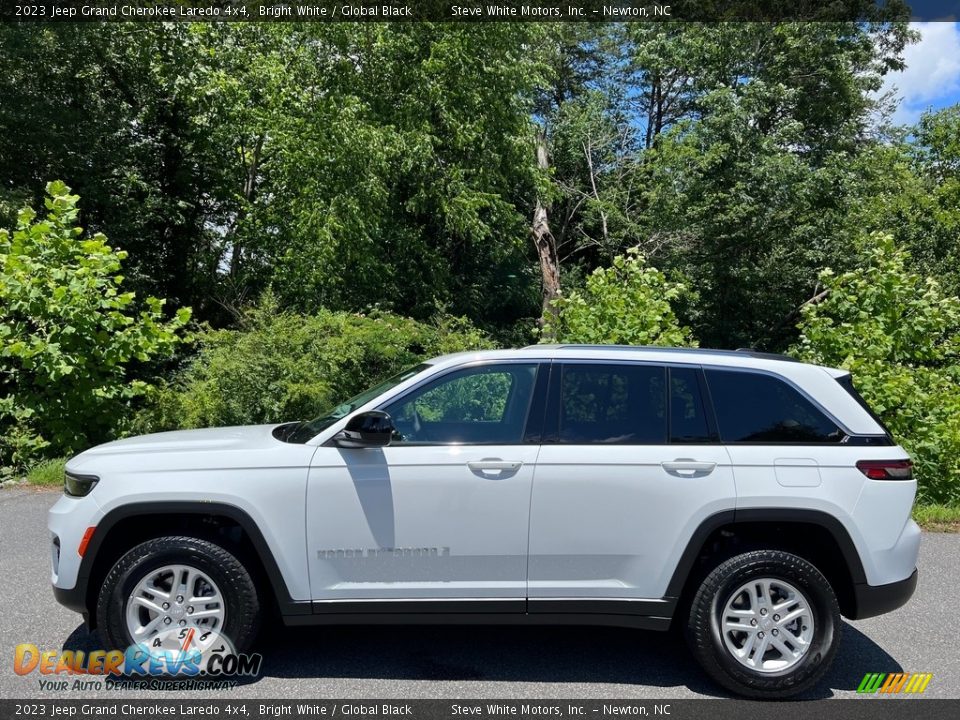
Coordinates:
[874,600]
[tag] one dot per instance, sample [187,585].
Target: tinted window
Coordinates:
[485,404]
[752,407]
[688,422]
[846,382]
[613,404]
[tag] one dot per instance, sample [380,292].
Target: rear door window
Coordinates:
[617,404]
[688,419]
[758,408]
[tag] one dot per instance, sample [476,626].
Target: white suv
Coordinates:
[749,498]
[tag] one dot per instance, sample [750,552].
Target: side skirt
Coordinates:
[640,614]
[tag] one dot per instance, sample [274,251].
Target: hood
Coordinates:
[241,446]
[242,436]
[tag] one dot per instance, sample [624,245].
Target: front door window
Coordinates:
[485,405]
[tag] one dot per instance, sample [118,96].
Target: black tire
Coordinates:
[242,616]
[706,642]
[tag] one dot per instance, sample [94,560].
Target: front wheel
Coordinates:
[177,582]
[765,624]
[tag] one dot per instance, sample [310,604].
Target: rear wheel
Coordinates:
[765,624]
[178,582]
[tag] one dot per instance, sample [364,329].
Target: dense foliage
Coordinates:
[283,366]
[899,335]
[625,304]
[71,338]
[231,156]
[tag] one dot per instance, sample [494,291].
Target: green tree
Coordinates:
[933,235]
[403,177]
[746,186]
[71,340]
[899,335]
[909,186]
[109,109]
[625,304]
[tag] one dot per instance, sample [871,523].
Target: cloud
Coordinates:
[932,75]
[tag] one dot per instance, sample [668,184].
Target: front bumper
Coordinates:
[73,599]
[872,600]
[67,521]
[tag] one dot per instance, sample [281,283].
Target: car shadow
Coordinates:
[610,656]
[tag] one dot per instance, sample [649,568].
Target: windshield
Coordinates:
[301,432]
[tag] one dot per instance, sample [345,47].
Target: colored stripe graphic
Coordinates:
[894,683]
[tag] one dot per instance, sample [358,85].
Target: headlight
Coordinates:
[78,485]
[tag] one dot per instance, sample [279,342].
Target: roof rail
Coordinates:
[740,352]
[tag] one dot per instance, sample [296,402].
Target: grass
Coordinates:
[47,473]
[938,518]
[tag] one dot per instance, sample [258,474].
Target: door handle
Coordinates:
[494,464]
[494,468]
[687,468]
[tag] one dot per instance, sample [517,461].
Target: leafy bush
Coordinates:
[626,304]
[282,366]
[69,336]
[900,337]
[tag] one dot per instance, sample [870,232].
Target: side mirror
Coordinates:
[373,428]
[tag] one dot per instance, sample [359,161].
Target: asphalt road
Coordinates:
[477,662]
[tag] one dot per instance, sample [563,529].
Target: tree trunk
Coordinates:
[546,248]
[249,190]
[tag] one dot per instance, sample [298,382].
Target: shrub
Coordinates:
[281,366]
[625,304]
[69,335]
[900,337]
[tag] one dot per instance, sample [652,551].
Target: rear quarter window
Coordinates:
[757,408]
[846,382]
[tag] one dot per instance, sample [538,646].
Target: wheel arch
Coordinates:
[128,525]
[815,535]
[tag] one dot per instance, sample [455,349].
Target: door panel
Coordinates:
[628,470]
[614,526]
[443,512]
[419,522]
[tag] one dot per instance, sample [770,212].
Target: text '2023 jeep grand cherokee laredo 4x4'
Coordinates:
[751,498]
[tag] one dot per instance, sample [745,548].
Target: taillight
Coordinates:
[886,469]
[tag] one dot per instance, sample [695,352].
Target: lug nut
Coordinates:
[190,609]
[179,598]
[166,606]
[775,632]
[167,621]
[776,618]
[763,611]
[184,622]
[760,634]
[754,622]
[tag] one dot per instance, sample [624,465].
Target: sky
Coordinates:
[931,79]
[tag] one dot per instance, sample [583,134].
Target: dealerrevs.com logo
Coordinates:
[181,654]
[894,683]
